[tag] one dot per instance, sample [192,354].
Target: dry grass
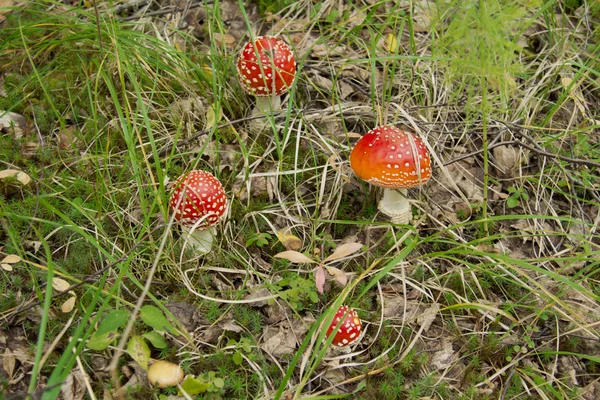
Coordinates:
[463,303]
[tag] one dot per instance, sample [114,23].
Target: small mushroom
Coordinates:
[199,202]
[395,160]
[165,374]
[350,329]
[266,69]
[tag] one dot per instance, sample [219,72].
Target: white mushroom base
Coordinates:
[396,206]
[200,240]
[266,104]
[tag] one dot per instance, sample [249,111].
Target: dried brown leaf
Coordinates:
[343,251]
[8,362]
[295,257]
[280,343]
[68,305]
[338,274]
[320,279]
[60,284]
[428,316]
[11,259]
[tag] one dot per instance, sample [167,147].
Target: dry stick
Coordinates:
[535,149]
[92,276]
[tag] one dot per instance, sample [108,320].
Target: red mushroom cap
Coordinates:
[204,198]
[350,329]
[278,64]
[392,158]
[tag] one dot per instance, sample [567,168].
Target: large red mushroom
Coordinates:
[395,160]
[266,69]
[350,328]
[199,203]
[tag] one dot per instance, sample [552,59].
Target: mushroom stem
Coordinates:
[266,104]
[395,205]
[199,239]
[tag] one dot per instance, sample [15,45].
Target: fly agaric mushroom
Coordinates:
[266,69]
[350,328]
[395,160]
[199,202]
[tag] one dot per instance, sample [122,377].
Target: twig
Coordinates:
[535,149]
[127,6]
[164,11]
[162,152]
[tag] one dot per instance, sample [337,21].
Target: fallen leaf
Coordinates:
[68,305]
[213,116]
[281,343]
[6,267]
[344,250]
[295,257]
[18,175]
[320,279]
[289,241]
[391,43]
[445,357]
[67,137]
[338,274]
[230,325]
[224,38]
[60,284]
[508,160]
[73,388]
[11,259]
[8,362]
[428,316]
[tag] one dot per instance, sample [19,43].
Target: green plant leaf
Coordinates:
[155,319]
[113,321]
[139,350]
[218,382]
[156,339]
[237,358]
[193,386]
[101,342]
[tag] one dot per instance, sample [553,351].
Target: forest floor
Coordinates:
[492,291]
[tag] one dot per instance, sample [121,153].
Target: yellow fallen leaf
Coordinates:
[11,259]
[68,305]
[213,116]
[60,284]
[391,43]
[289,241]
[6,267]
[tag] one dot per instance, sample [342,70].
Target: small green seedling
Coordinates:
[137,346]
[244,345]
[207,382]
[516,196]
